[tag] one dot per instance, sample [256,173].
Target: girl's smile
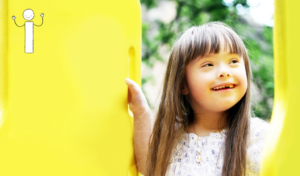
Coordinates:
[224,87]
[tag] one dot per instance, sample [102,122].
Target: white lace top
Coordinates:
[183,160]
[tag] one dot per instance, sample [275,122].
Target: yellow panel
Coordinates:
[281,152]
[65,102]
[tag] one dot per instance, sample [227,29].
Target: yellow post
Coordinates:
[3,52]
[281,151]
[63,86]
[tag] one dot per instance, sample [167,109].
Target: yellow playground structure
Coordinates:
[63,92]
[281,153]
[64,99]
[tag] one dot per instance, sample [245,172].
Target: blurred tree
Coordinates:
[258,39]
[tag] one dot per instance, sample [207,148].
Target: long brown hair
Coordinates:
[175,113]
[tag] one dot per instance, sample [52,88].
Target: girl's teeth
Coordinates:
[227,86]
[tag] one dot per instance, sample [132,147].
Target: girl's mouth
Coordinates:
[224,88]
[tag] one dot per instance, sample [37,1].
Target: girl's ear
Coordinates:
[184,89]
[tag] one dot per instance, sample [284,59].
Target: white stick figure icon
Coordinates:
[28,15]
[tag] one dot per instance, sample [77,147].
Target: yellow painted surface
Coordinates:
[281,152]
[65,105]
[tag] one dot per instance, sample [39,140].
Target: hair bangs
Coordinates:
[211,39]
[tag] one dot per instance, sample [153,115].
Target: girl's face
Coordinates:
[206,74]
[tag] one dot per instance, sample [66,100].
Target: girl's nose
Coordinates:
[223,71]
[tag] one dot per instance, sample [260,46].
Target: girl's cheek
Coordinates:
[244,81]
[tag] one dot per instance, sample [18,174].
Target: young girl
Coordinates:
[204,124]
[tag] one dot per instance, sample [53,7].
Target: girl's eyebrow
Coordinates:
[199,58]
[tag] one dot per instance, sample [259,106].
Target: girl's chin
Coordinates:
[222,107]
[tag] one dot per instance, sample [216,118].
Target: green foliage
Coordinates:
[258,40]
[149,3]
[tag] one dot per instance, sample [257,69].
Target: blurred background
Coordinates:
[165,20]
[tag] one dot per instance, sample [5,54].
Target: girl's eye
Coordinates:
[234,61]
[207,65]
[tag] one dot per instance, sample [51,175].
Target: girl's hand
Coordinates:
[136,99]
[142,123]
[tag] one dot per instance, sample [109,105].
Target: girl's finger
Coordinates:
[133,86]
